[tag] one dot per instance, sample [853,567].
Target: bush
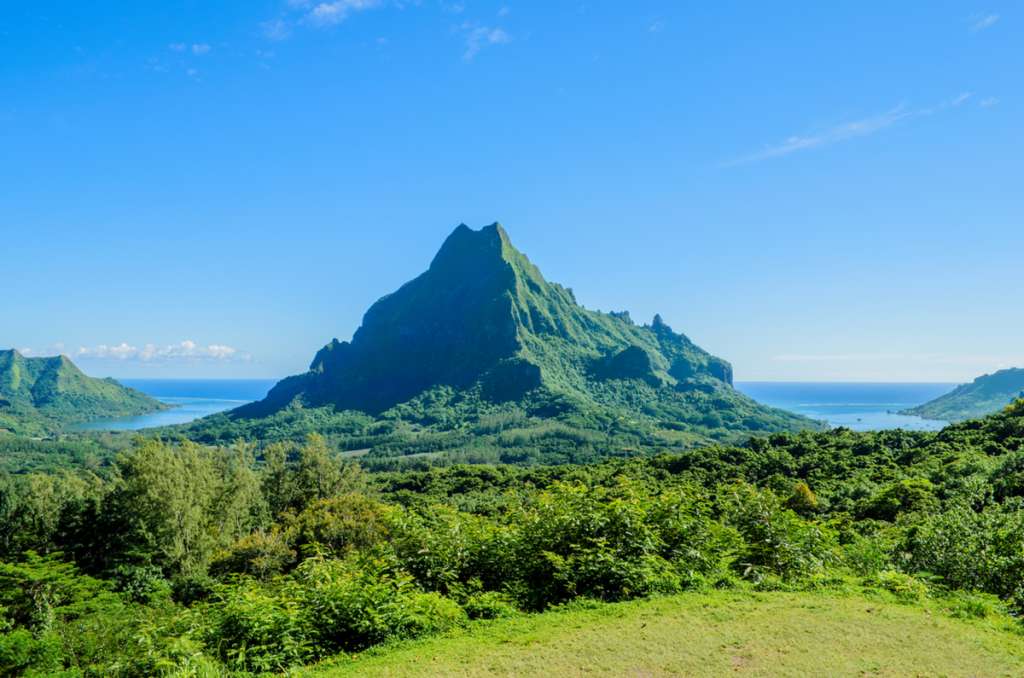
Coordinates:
[337,525]
[489,605]
[865,556]
[257,629]
[364,600]
[775,540]
[575,540]
[972,550]
[912,494]
[904,586]
[261,554]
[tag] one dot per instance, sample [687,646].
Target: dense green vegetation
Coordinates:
[194,560]
[987,394]
[39,396]
[481,359]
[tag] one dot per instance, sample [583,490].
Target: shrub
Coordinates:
[865,555]
[489,605]
[257,629]
[912,494]
[443,548]
[904,586]
[575,540]
[364,600]
[972,550]
[776,540]
[337,525]
[260,554]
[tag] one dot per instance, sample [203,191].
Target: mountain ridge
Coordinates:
[42,395]
[986,395]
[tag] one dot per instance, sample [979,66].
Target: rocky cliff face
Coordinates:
[482,316]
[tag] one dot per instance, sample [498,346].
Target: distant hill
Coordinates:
[41,395]
[983,396]
[482,337]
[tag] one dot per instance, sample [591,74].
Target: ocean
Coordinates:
[859,406]
[192,399]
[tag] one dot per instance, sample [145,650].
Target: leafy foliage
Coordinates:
[192,560]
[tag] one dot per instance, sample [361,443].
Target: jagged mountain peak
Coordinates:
[484,317]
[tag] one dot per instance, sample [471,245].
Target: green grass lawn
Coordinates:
[715,634]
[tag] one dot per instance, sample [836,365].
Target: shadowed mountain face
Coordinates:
[483,319]
[985,395]
[38,395]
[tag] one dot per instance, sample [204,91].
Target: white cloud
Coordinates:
[845,131]
[276,30]
[184,351]
[317,14]
[827,137]
[331,13]
[961,99]
[478,37]
[197,48]
[988,102]
[980,23]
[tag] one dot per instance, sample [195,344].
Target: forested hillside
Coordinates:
[197,560]
[987,394]
[39,396]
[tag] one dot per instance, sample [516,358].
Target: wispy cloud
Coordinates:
[330,13]
[184,351]
[833,135]
[478,37]
[981,22]
[656,26]
[276,30]
[845,131]
[988,102]
[198,48]
[317,14]
[961,99]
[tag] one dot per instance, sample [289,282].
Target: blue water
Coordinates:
[192,399]
[858,406]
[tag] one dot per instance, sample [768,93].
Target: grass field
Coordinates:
[716,634]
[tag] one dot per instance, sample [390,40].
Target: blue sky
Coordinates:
[815,191]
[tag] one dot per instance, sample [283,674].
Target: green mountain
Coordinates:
[42,395]
[482,337]
[987,394]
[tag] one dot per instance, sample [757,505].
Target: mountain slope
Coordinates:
[481,333]
[40,395]
[987,394]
